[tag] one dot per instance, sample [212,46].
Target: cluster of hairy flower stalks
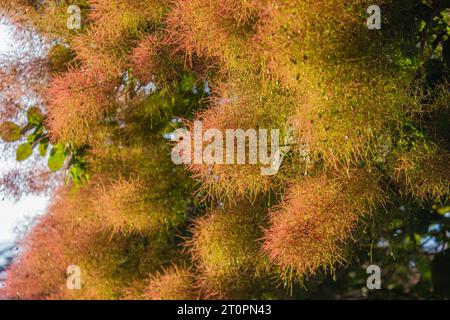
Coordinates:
[313,226]
[214,30]
[341,98]
[424,174]
[175,283]
[73,233]
[225,246]
[242,105]
[124,205]
[138,70]
[77,101]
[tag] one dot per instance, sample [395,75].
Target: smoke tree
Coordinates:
[364,182]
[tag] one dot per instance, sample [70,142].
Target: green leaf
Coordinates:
[24,151]
[43,148]
[443,210]
[76,174]
[187,83]
[10,132]
[57,158]
[35,116]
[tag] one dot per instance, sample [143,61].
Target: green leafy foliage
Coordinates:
[24,151]
[43,147]
[35,116]
[36,135]
[58,156]
[10,132]
[187,83]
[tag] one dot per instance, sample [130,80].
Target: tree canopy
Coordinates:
[365,179]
